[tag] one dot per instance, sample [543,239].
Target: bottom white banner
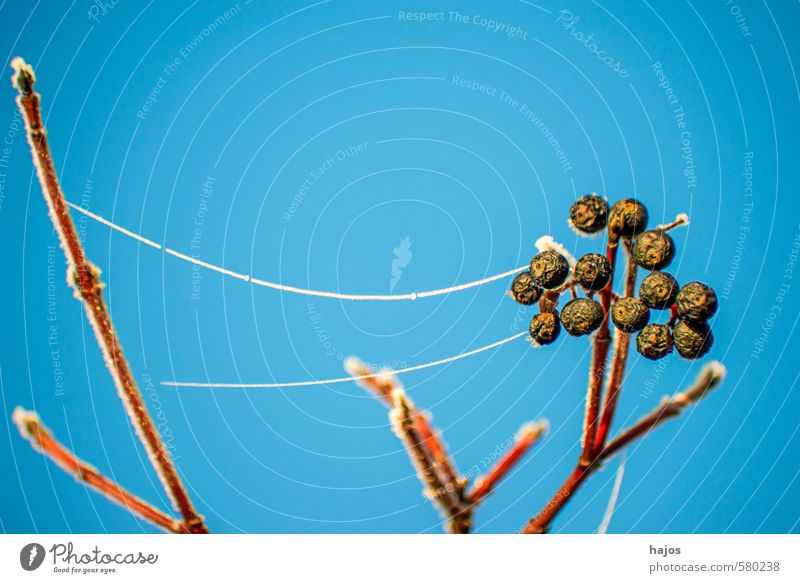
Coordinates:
[407,558]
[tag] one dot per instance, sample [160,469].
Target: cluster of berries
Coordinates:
[690,306]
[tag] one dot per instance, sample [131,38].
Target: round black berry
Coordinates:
[654,341]
[581,316]
[653,250]
[626,218]
[630,314]
[589,214]
[593,271]
[544,328]
[523,289]
[658,290]
[692,340]
[696,302]
[549,269]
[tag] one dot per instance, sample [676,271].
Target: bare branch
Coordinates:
[40,438]
[85,279]
[711,376]
[382,386]
[527,437]
[448,498]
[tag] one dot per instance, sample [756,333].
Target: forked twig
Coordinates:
[84,277]
[710,376]
[39,436]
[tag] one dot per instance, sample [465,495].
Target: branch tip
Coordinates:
[24,77]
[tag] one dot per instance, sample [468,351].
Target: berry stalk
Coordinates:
[619,361]
[597,371]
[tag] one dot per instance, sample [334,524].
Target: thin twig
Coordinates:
[443,494]
[40,438]
[527,437]
[710,376]
[85,278]
[619,360]
[382,386]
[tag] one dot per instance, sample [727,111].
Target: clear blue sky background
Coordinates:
[251,108]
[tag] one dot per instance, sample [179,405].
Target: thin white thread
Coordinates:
[208,265]
[122,230]
[612,501]
[341,379]
[300,290]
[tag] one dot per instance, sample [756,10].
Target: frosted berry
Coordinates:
[626,218]
[589,214]
[658,290]
[581,316]
[653,250]
[630,314]
[544,328]
[523,289]
[549,269]
[696,302]
[692,340]
[593,271]
[654,341]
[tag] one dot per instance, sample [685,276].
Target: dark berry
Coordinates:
[696,302]
[658,290]
[589,214]
[523,289]
[653,250]
[593,271]
[654,341]
[549,269]
[630,314]
[626,218]
[692,340]
[581,316]
[544,328]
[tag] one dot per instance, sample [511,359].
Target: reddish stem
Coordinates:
[527,438]
[598,368]
[43,441]
[85,279]
[619,361]
[712,374]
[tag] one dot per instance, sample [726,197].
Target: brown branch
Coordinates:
[619,360]
[382,386]
[85,279]
[448,498]
[710,376]
[40,438]
[597,372]
[527,437]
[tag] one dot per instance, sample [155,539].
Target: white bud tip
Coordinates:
[546,242]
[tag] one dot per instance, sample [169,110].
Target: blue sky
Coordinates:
[302,143]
